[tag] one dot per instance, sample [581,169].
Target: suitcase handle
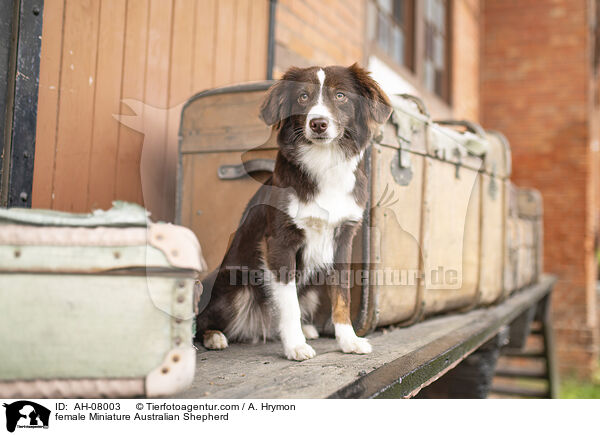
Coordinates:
[233,172]
[469,125]
[420,104]
[500,136]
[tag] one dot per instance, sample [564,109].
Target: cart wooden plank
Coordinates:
[403,360]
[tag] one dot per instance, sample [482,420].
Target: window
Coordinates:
[415,35]
[435,64]
[391,26]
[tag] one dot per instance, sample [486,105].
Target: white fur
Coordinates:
[320,110]
[310,332]
[321,77]
[216,341]
[249,323]
[349,342]
[333,204]
[285,301]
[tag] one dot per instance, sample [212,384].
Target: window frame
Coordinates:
[415,75]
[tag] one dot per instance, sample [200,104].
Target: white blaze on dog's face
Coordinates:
[321,127]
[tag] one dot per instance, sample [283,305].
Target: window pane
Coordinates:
[371,21]
[399,13]
[435,71]
[440,15]
[385,6]
[438,52]
[429,78]
[389,23]
[383,31]
[398,45]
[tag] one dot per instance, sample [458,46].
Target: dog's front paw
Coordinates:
[355,345]
[300,352]
[349,342]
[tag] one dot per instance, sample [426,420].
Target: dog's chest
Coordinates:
[333,205]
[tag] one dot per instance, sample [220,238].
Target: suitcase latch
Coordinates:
[458,163]
[400,167]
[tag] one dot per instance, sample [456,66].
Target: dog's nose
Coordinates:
[318,125]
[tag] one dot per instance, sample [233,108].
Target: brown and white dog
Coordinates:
[302,221]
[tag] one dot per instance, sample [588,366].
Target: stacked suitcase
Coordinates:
[445,229]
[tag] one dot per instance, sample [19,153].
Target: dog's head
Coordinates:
[325,106]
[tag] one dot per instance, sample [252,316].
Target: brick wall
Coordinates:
[313,32]
[535,87]
[466,16]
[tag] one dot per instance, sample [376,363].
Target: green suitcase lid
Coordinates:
[117,239]
[122,214]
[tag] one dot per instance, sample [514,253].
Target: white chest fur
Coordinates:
[332,205]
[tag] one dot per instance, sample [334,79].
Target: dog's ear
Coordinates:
[271,110]
[274,106]
[277,105]
[377,101]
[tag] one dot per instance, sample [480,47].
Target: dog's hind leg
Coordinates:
[214,340]
[310,332]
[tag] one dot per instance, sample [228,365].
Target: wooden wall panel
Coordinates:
[181,82]
[105,129]
[76,105]
[128,185]
[259,33]
[204,44]
[48,97]
[224,42]
[113,79]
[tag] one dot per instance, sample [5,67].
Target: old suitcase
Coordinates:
[494,213]
[221,141]
[530,257]
[512,240]
[97,305]
[389,244]
[423,229]
[452,214]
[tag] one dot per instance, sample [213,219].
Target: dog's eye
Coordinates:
[340,95]
[303,97]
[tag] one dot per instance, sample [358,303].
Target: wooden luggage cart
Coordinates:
[452,356]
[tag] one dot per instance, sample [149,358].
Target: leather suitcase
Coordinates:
[494,214]
[97,305]
[530,211]
[452,205]
[512,240]
[221,141]
[389,245]
[424,219]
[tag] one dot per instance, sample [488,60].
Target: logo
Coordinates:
[26,414]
